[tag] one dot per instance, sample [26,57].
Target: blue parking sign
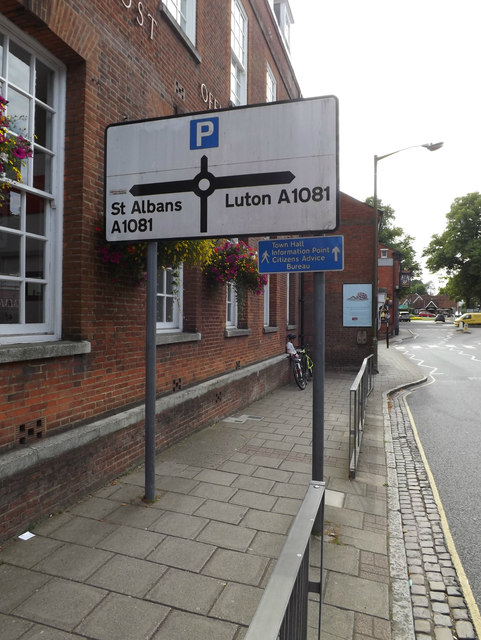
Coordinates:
[204,133]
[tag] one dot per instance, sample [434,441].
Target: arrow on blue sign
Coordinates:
[301,255]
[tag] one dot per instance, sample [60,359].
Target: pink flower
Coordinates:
[19,152]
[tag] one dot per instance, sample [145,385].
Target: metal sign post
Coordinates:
[304,255]
[150,353]
[249,171]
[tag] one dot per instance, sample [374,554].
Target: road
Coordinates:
[447,415]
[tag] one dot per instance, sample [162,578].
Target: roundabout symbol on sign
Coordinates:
[205,183]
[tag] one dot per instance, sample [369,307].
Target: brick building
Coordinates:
[72,342]
[389,272]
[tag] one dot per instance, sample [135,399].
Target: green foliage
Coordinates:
[457,251]
[394,237]
[417,286]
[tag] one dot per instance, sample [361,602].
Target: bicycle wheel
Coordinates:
[299,376]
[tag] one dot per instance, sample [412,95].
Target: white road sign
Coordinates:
[260,170]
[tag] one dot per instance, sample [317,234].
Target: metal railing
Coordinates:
[282,611]
[360,390]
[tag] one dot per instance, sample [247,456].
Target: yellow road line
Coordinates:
[464,582]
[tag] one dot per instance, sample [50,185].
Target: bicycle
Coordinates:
[306,361]
[302,366]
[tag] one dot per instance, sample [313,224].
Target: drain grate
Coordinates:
[30,431]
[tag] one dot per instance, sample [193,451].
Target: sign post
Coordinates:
[248,171]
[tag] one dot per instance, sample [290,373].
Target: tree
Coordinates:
[417,286]
[395,238]
[458,250]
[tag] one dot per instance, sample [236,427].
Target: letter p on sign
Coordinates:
[204,133]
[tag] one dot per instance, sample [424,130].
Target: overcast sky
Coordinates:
[405,73]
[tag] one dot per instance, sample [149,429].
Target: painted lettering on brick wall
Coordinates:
[143,17]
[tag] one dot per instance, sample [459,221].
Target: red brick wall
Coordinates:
[36,492]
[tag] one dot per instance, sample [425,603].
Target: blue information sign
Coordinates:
[301,255]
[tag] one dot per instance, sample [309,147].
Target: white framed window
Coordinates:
[284,18]
[238,65]
[266,302]
[271,85]
[169,299]
[31,213]
[183,12]
[231,309]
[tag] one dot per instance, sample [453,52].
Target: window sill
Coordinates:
[234,332]
[39,350]
[270,329]
[172,338]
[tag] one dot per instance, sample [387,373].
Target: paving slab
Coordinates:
[131,576]
[187,591]
[123,618]
[182,625]
[61,603]
[357,594]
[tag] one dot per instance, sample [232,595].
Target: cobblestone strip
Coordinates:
[438,606]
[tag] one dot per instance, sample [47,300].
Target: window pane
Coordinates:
[42,171]
[9,254]
[17,109]
[44,83]
[169,309]
[169,282]
[238,32]
[35,251]
[1,57]
[161,281]
[43,126]
[35,215]
[19,67]
[160,309]
[9,302]
[178,9]
[34,303]
[10,209]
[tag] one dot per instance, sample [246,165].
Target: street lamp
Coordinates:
[430,146]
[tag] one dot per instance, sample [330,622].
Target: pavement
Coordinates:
[194,563]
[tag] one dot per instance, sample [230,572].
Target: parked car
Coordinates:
[468,318]
[404,316]
[440,318]
[426,314]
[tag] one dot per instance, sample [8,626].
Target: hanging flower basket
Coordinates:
[129,259]
[235,263]
[14,150]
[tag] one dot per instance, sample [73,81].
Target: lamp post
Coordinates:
[430,147]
